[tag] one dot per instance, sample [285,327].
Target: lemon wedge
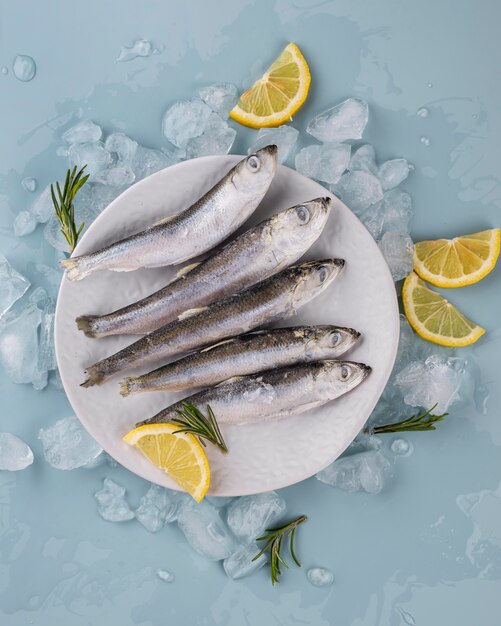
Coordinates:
[179,454]
[460,261]
[434,318]
[278,94]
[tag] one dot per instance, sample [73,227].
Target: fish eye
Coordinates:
[335,339]
[345,372]
[303,215]
[253,163]
[323,273]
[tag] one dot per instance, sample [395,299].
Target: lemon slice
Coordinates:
[179,454]
[460,261]
[278,94]
[434,318]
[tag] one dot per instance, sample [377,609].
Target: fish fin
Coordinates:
[85,323]
[191,312]
[73,267]
[164,220]
[185,270]
[128,387]
[216,345]
[96,377]
[233,379]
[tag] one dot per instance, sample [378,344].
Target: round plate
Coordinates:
[263,456]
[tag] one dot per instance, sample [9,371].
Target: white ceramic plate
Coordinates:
[265,456]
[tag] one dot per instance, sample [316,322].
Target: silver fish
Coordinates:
[244,355]
[260,252]
[270,300]
[273,394]
[191,232]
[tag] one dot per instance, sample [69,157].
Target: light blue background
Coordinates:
[407,552]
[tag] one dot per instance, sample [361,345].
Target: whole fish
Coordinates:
[260,252]
[272,394]
[270,300]
[247,354]
[191,232]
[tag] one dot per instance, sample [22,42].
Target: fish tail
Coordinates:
[76,267]
[95,376]
[87,324]
[130,386]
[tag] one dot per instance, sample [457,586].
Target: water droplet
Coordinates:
[475,116]
[5,70]
[429,85]
[423,112]
[425,141]
[30,184]
[140,48]
[401,447]
[24,68]
[164,575]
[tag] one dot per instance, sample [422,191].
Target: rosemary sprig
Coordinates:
[424,421]
[192,420]
[63,204]
[274,540]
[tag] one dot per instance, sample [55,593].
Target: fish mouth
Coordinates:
[340,263]
[354,333]
[366,369]
[326,202]
[271,149]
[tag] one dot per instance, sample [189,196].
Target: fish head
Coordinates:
[253,175]
[333,375]
[313,277]
[294,230]
[326,340]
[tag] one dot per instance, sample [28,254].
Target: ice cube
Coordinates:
[185,119]
[46,351]
[123,146]
[363,471]
[441,380]
[392,173]
[29,184]
[83,132]
[364,159]
[240,563]
[12,285]
[249,516]
[19,344]
[284,137]
[154,508]
[178,499]
[111,503]
[320,576]
[359,190]
[14,453]
[263,393]
[147,161]
[24,224]
[67,445]
[206,531]
[325,163]
[39,297]
[398,251]
[119,176]
[165,575]
[343,121]
[220,97]
[43,207]
[401,447]
[93,154]
[140,48]
[393,213]
[52,278]
[220,501]
[217,138]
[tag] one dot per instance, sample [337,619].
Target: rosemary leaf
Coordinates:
[421,422]
[63,204]
[192,420]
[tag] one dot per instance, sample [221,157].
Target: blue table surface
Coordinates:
[407,556]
